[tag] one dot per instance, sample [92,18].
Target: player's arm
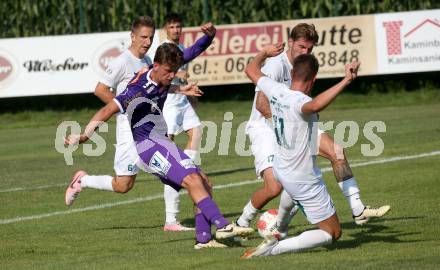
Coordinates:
[101,116]
[183,75]
[253,69]
[113,75]
[190,89]
[104,93]
[262,105]
[325,98]
[201,44]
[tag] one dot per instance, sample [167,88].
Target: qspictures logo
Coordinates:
[8,69]
[411,42]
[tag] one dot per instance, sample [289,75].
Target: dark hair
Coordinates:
[305,67]
[169,53]
[305,31]
[146,21]
[172,18]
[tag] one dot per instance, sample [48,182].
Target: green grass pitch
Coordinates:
[104,230]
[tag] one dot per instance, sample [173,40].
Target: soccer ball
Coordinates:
[267,224]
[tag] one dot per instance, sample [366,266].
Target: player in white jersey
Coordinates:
[119,72]
[294,116]
[179,116]
[302,39]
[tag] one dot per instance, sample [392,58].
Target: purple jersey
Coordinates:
[143,99]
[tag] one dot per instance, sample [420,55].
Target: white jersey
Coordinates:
[296,133]
[174,100]
[278,68]
[118,74]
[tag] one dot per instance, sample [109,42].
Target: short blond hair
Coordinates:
[305,31]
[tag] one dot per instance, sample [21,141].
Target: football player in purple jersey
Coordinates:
[143,102]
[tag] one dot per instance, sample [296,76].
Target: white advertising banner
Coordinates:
[408,41]
[56,64]
[384,43]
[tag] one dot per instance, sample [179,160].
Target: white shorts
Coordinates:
[180,119]
[313,198]
[263,148]
[126,159]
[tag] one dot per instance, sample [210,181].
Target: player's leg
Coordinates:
[263,150]
[319,209]
[346,180]
[177,170]
[173,117]
[124,166]
[194,183]
[287,209]
[81,180]
[192,126]
[270,189]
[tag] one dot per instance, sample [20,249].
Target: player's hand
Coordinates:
[208,29]
[75,139]
[191,89]
[183,75]
[274,49]
[351,70]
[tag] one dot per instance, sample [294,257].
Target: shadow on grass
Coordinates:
[373,231]
[223,172]
[131,228]
[186,222]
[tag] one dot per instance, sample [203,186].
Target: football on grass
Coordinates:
[267,224]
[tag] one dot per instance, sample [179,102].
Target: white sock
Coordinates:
[304,241]
[286,210]
[351,192]
[171,197]
[193,155]
[102,182]
[249,213]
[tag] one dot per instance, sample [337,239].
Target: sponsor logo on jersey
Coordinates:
[159,164]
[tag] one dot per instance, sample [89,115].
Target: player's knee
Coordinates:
[273,189]
[195,135]
[122,186]
[198,132]
[193,181]
[337,154]
[336,233]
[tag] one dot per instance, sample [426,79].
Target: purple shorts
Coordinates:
[164,159]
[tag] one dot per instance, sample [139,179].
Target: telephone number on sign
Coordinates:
[237,64]
[333,58]
[329,58]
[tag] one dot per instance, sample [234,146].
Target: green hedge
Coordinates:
[23,18]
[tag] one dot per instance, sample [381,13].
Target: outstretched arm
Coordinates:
[190,89]
[253,69]
[101,116]
[201,44]
[325,98]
